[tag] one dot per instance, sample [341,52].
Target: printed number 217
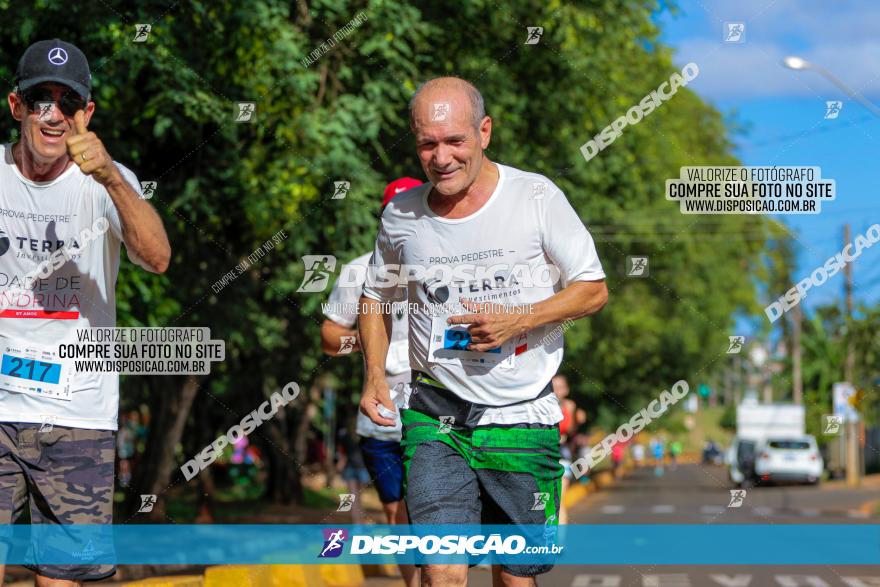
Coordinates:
[21,364]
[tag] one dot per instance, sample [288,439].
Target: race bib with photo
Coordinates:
[449,345]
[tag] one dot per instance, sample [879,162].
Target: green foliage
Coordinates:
[824,343]
[166,109]
[728,418]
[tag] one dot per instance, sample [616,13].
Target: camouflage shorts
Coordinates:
[65,476]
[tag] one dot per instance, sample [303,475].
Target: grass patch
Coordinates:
[708,426]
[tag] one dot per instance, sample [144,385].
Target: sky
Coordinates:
[784,110]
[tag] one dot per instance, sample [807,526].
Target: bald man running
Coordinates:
[480,431]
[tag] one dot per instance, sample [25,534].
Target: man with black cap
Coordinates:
[65,208]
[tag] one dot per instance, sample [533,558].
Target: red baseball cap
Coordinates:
[397,186]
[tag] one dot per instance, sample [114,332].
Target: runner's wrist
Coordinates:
[528,319]
[374,374]
[114,179]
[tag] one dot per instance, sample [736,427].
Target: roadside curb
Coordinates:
[871,481]
[604,479]
[263,576]
[342,575]
[869,507]
[383,570]
[173,581]
[576,492]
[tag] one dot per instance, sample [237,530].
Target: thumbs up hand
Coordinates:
[87,151]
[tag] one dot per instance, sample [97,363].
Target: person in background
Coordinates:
[638,454]
[380,445]
[674,451]
[125,444]
[617,459]
[354,471]
[657,449]
[566,427]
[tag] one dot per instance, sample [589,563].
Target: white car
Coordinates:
[786,459]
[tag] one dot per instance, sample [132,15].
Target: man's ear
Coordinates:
[485,132]
[89,111]
[16,106]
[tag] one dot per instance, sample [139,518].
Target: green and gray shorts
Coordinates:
[461,473]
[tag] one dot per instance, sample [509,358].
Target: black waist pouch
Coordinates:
[443,405]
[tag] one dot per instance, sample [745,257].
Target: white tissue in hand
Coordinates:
[386,413]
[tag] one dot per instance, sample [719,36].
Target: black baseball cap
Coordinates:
[54,61]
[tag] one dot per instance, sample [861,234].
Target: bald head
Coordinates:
[451,130]
[458,93]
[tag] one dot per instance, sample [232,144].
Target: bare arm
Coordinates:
[579,299]
[375,334]
[491,324]
[142,230]
[331,338]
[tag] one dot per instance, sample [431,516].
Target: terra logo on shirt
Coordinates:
[41,246]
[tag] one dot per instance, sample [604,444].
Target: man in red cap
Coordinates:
[380,445]
[397,186]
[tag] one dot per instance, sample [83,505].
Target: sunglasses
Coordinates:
[69,103]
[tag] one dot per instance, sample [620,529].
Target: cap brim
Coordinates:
[79,88]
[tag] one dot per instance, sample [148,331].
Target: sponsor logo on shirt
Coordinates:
[35,245]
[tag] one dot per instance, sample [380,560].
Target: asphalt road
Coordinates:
[694,494]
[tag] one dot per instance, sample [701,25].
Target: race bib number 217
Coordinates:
[33,370]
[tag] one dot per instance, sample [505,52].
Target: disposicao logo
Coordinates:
[334,541]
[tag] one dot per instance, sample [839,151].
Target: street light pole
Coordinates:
[797,381]
[798,64]
[853,462]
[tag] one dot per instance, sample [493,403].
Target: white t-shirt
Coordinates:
[506,246]
[36,219]
[342,308]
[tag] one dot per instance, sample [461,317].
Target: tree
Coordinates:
[167,108]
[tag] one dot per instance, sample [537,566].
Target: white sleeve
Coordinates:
[343,302]
[382,283]
[567,242]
